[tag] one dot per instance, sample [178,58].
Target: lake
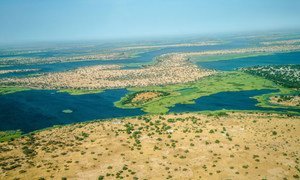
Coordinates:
[37,109]
[236,100]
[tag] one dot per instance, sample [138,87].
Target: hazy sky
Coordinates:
[39,20]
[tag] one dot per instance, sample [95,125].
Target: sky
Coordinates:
[51,20]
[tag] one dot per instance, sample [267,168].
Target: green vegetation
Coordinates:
[219,57]
[285,75]
[67,111]
[187,93]
[9,135]
[8,89]
[80,91]
[13,89]
[264,100]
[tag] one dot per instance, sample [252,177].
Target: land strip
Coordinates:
[17,70]
[50,60]
[241,52]
[208,43]
[168,69]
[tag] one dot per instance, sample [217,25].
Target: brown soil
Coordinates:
[145,96]
[188,146]
[293,101]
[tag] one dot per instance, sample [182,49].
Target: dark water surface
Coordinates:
[37,109]
[236,100]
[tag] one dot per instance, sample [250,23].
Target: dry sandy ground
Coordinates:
[146,96]
[293,101]
[187,146]
[169,69]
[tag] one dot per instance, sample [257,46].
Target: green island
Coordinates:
[67,111]
[187,93]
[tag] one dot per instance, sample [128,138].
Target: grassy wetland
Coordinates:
[11,89]
[187,93]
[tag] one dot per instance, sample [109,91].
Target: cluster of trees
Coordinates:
[285,75]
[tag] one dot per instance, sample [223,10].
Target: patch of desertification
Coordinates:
[168,69]
[174,146]
[266,49]
[17,70]
[50,60]
[286,100]
[208,43]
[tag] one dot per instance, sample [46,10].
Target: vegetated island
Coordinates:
[220,82]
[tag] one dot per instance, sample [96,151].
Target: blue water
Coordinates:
[37,109]
[276,59]
[238,100]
